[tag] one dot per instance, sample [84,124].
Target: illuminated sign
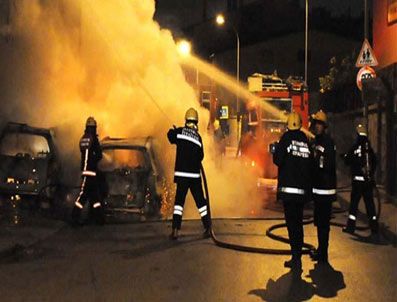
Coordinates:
[391,11]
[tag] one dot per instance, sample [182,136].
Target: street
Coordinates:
[246,121]
[137,262]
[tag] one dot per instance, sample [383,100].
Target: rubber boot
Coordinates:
[174,234]
[207,233]
[321,254]
[350,227]
[99,216]
[295,263]
[374,226]
[76,212]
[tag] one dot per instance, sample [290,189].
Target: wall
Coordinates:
[385,35]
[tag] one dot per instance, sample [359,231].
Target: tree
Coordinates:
[338,87]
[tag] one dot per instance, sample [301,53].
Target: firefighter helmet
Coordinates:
[361,130]
[191,115]
[294,121]
[320,116]
[91,122]
[216,124]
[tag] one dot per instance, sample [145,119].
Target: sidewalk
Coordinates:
[14,237]
[388,217]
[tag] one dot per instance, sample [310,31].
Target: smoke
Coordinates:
[70,59]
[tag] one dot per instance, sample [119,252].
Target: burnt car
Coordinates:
[28,161]
[132,178]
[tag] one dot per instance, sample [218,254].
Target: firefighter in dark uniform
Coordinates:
[324,183]
[294,160]
[91,154]
[362,161]
[189,154]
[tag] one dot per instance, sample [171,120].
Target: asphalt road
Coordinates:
[137,262]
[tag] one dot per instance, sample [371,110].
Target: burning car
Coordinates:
[28,161]
[133,179]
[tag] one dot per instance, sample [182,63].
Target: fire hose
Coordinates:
[307,247]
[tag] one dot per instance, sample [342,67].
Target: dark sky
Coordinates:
[179,13]
[340,6]
[336,6]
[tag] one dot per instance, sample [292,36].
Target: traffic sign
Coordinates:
[364,73]
[366,56]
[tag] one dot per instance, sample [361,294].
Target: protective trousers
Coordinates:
[89,191]
[293,210]
[322,218]
[362,189]
[182,187]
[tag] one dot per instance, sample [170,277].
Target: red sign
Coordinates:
[365,72]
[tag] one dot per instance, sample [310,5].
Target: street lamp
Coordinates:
[220,20]
[184,48]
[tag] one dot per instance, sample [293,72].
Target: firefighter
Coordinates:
[362,161]
[91,154]
[324,183]
[293,159]
[189,154]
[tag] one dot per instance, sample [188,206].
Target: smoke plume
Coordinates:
[66,60]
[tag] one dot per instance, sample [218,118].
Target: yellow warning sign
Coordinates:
[366,56]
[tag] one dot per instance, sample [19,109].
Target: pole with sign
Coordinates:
[366,58]
[365,73]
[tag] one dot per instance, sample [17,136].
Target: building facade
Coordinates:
[385,47]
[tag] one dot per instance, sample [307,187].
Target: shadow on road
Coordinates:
[370,240]
[326,280]
[290,287]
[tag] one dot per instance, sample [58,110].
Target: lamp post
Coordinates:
[220,20]
[306,38]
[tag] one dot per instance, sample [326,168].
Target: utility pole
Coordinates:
[306,39]
[366,19]
[364,99]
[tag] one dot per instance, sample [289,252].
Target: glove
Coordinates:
[171,134]
[273,147]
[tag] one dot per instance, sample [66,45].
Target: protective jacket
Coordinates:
[324,171]
[362,160]
[294,161]
[91,153]
[189,152]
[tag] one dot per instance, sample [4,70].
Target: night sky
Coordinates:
[340,6]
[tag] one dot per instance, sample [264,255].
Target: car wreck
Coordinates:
[132,178]
[28,161]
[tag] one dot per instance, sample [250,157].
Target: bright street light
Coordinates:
[220,19]
[184,48]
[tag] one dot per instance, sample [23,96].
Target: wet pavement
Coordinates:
[137,262]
